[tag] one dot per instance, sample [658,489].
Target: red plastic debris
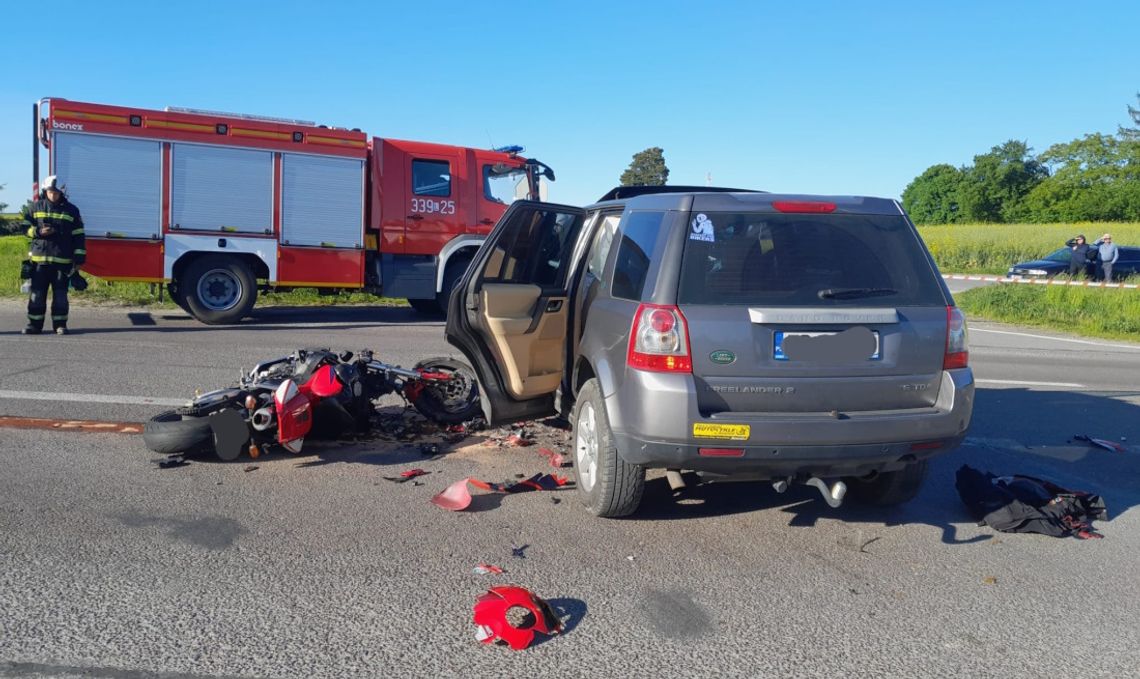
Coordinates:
[556,459]
[493,626]
[486,568]
[407,475]
[457,497]
[518,441]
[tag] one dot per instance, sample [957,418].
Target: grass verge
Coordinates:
[14,249]
[1109,313]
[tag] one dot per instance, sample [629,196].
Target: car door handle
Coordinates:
[488,222]
[416,217]
[554,306]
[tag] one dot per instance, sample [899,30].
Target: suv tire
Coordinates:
[609,486]
[888,488]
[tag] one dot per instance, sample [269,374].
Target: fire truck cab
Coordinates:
[220,206]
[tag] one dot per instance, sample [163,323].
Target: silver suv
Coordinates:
[799,339]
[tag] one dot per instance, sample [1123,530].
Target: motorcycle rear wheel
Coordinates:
[178,431]
[453,401]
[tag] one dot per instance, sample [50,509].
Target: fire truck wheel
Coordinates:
[428,307]
[455,270]
[219,289]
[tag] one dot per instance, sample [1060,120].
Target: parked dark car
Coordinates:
[1057,262]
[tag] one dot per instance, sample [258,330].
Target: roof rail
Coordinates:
[630,191]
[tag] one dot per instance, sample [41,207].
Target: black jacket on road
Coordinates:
[66,245]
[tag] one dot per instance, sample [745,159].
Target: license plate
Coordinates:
[731,432]
[778,343]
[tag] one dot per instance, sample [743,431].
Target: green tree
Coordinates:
[1132,133]
[647,169]
[934,196]
[995,186]
[1094,178]
[3,205]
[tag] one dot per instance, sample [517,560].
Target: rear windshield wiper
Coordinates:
[855,293]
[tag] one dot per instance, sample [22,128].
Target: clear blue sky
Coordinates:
[824,97]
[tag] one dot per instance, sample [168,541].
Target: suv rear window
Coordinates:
[767,259]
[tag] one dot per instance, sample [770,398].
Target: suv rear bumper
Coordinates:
[652,417]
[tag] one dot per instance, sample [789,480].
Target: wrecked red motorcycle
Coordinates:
[312,393]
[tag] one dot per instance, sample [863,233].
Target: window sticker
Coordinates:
[702,229]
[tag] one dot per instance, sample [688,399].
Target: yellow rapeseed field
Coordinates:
[992,248]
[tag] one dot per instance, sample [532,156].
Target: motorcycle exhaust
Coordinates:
[262,419]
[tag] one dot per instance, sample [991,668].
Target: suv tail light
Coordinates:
[659,340]
[957,340]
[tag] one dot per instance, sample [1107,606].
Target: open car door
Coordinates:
[508,314]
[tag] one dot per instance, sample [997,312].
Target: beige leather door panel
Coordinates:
[527,340]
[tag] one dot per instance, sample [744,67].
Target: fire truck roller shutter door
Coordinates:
[115,182]
[222,189]
[322,201]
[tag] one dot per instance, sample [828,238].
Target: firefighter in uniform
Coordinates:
[58,249]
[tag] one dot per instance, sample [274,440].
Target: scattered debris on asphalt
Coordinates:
[429,449]
[468,427]
[1024,504]
[555,500]
[557,460]
[173,462]
[251,467]
[457,496]
[488,569]
[407,475]
[989,580]
[1110,446]
[519,552]
[516,440]
[493,623]
[556,423]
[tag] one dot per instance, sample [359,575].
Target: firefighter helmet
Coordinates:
[51,182]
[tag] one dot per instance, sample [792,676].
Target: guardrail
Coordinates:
[1036,281]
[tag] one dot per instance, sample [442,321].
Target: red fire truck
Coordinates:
[217,206]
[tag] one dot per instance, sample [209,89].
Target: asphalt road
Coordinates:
[314,566]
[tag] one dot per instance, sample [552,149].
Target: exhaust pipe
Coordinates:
[676,481]
[262,419]
[832,495]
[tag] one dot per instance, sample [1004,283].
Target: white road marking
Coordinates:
[91,398]
[1027,383]
[1057,339]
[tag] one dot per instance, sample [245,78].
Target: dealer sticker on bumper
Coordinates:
[732,432]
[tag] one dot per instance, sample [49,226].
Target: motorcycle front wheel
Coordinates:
[449,401]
